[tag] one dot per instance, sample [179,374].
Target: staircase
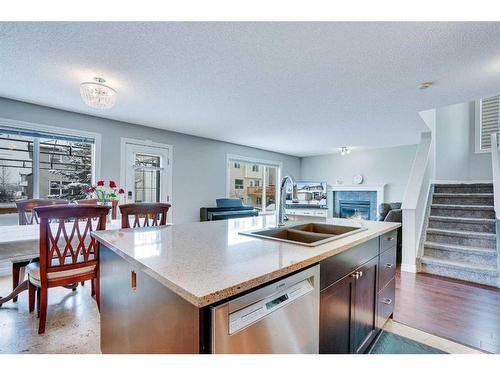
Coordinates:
[461,240]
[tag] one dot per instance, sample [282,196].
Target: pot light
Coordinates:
[97,94]
[344,151]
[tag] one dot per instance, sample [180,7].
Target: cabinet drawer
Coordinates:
[388,240]
[336,267]
[386,303]
[387,267]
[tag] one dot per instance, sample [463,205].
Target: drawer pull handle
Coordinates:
[387,301]
[388,265]
[133,280]
[390,238]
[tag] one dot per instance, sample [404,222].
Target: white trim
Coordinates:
[146,142]
[409,268]
[477,128]
[96,150]
[248,159]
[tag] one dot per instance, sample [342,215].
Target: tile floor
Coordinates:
[73,325]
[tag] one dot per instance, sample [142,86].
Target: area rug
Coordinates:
[390,343]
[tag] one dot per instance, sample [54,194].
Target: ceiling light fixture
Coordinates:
[97,94]
[344,151]
[425,85]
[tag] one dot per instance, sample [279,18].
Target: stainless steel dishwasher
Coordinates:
[282,317]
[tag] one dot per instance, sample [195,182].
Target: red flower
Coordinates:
[100,183]
[112,184]
[121,191]
[85,189]
[91,189]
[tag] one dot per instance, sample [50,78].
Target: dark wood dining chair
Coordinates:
[68,254]
[28,217]
[145,214]
[25,209]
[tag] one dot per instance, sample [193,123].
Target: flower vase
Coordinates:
[109,204]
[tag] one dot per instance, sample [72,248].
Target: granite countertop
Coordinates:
[209,261]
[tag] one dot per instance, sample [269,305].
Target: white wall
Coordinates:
[456,159]
[389,166]
[199,164]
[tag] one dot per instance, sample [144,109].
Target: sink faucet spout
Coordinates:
[282,217]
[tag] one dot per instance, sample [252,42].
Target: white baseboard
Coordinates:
[450,182]
[409,268]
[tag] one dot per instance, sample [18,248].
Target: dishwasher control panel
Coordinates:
[256,311]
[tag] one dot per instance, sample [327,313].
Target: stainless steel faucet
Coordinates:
[282,217]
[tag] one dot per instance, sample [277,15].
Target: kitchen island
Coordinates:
[159,285]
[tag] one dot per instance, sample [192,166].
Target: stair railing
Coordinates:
[495,165]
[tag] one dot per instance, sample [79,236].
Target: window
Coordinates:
[36,164]
[254,182]
[488,121]
[238,184]
[147,178]
[58,188]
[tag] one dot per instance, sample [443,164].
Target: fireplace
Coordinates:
[354,209]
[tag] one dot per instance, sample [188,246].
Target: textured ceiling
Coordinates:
[296,88]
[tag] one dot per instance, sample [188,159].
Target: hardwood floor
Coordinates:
[463,312]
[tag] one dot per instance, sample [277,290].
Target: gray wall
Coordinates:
[389,166]
[456,158]
[199,164]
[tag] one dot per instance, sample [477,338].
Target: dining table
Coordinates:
[19,246]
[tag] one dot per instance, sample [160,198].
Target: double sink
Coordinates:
[308,234]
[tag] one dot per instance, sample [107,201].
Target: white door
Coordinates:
[147,173]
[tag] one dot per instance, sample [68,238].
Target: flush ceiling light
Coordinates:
[425,85]
[344,151]
[97,94]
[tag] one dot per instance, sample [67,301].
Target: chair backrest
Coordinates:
[25,208]
[65,241]
[151,214]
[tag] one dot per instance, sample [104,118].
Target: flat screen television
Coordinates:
[309,194]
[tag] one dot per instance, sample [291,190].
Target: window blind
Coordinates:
[43,134]
[489,120]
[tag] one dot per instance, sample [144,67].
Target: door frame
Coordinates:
[168,167]
[248,159]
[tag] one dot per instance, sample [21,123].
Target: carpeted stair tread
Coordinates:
[464,207]
[456,219]
[479,268]
[461,233]
[464,195]
[460,248]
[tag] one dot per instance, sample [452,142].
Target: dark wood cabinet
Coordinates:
[364,306]
[348,317]
[354,306]
[336,317]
